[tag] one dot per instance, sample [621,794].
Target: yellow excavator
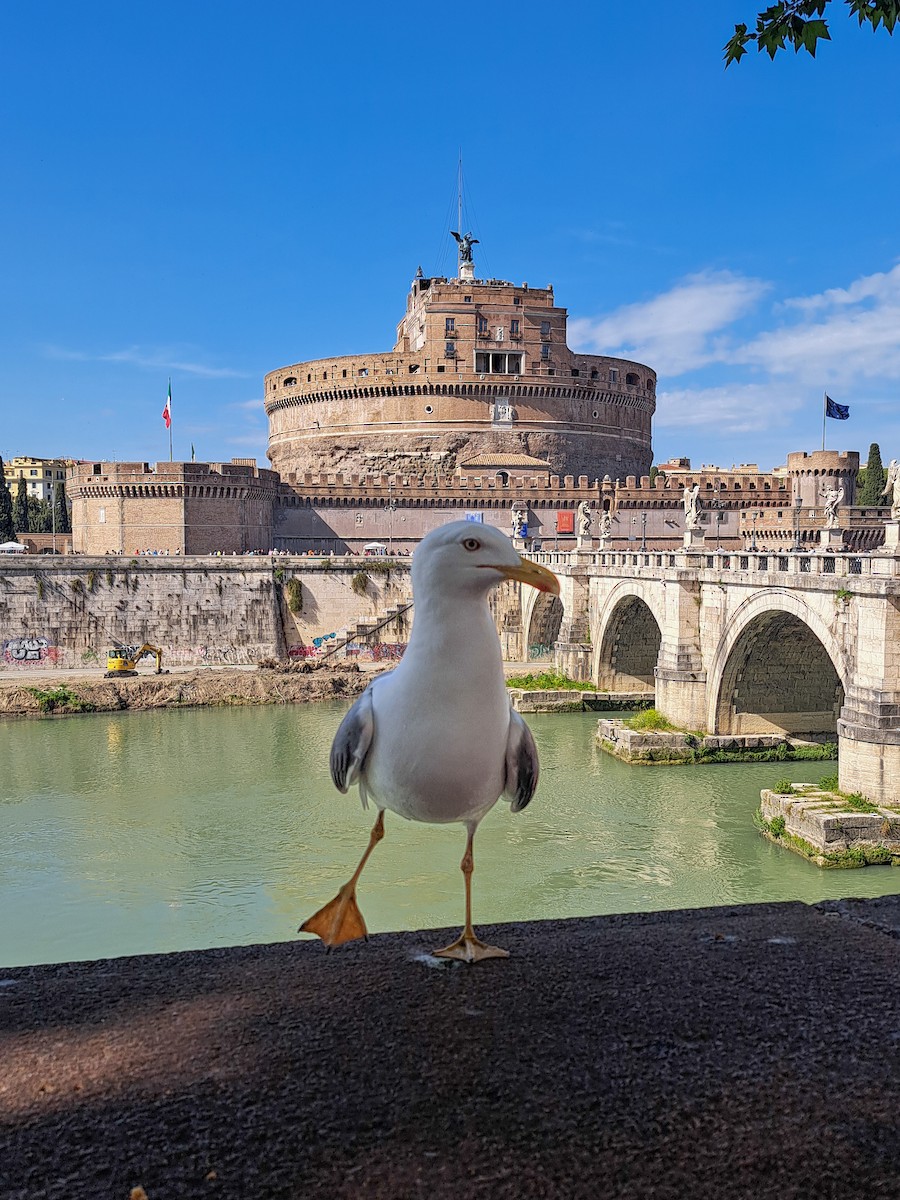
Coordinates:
[122,661]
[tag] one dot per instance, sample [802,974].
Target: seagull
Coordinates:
[436,739]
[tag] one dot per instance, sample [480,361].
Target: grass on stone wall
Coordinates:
[650,719]
[294,592]
[547,681]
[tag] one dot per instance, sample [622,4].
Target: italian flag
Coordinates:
[167,411]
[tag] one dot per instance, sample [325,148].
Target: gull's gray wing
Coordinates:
[521,764]
[352,741]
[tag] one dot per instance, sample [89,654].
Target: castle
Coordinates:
[480,409]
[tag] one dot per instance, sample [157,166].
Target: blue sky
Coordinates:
[213,190]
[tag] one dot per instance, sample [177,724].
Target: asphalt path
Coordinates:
[746,1052]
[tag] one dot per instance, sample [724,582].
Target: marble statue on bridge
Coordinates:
[584,519]
[832,498]
[892,487]
[691,501]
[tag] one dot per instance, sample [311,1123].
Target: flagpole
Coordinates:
[824,416]
[170,421]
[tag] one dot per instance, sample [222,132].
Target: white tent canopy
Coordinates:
[12,548]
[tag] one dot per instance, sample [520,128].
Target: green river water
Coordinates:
[173,830]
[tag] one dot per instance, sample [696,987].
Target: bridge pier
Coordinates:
[681,696]
[869,744]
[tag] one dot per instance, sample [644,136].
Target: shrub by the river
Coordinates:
[49,699]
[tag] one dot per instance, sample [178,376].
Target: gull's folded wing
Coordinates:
[521,764]
[352,741]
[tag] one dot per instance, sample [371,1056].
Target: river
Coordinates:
[138,832]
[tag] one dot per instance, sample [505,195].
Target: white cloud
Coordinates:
[843,335]
[724,409]
[676,331]
[884,285]
[255,406]
[150,359]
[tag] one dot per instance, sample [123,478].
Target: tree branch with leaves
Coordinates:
[802,24]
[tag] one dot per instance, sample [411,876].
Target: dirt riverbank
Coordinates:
[63,693]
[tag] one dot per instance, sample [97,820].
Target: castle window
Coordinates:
[498,363]
[613,374]
[514,329]
[429,408]
[449,350]
[575,372]
[594,373]
[595,414]
[344,373]
[517,299]
[545,328]
[481,326]
[450,325]
[649,385]
[290,381]
[309,379]
[467,299]
[631,379]
[545,351]
[413,368]
[441,368]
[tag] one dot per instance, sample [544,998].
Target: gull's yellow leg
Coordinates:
[340,920]
[467,947]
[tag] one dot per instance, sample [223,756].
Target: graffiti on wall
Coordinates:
[29,652]
[540,651]
[376,652]
[302,651]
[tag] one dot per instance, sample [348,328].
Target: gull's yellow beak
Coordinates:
[531,573]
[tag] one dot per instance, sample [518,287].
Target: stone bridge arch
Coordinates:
[778,668]
[542,618]
[627,639]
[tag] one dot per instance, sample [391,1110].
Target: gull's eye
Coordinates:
[472,544]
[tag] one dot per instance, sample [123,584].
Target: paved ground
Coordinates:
[719,1053]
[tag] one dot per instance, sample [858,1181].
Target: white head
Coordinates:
[466,558]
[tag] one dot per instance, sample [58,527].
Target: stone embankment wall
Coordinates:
[67,612]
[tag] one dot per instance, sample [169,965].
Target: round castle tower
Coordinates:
[823,470]
[479,368]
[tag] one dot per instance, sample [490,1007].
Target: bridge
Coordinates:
[807,644]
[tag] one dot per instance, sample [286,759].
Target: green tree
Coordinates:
[654,471]
[39,515]
[872,479]
[20,509]
[61,509]
[802,24]
[7,532]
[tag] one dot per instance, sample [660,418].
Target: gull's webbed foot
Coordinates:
[469,948]
[339,921]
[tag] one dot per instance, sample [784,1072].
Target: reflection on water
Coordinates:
[131,833]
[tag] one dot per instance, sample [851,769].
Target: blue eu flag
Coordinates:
[840,412]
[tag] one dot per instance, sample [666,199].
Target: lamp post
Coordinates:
[53,514]
[391,509]
[754,515]
[798,504]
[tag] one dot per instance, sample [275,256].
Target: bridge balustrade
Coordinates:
[791,563]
